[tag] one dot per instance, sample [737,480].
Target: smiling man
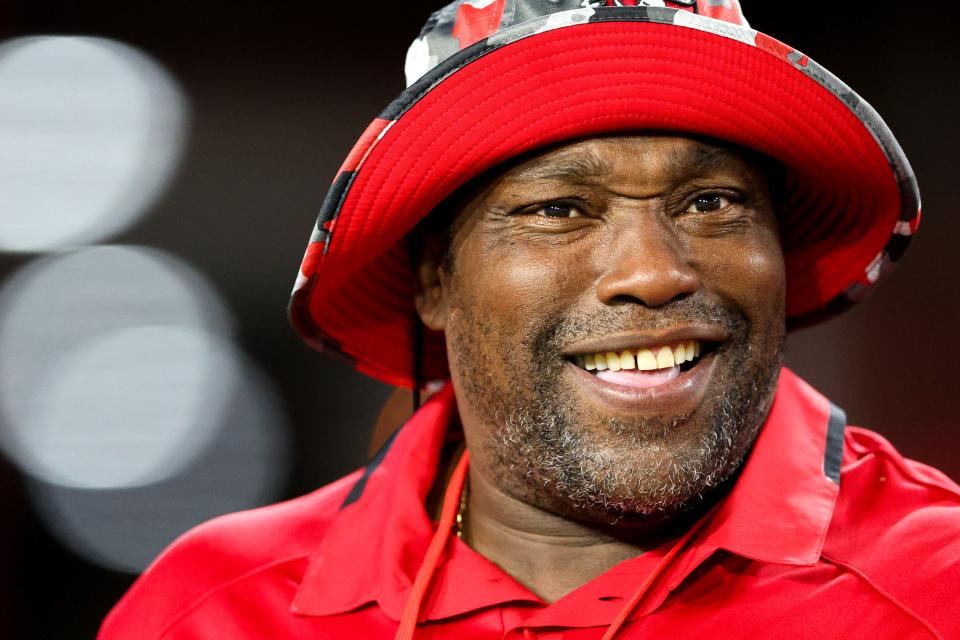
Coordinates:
[584,231]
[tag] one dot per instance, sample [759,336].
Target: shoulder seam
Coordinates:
[885,594]
[907,471]
[214,590]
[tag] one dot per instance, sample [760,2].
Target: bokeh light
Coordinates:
[92,131]
[114,369]
[124,529]
[128,407]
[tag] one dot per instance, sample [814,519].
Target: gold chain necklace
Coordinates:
[462,511]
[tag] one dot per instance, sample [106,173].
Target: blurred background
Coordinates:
[161,166]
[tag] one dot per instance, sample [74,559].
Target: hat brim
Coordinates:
[851,201]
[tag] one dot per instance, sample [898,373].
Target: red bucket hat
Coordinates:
[490,79]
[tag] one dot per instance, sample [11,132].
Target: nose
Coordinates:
[648,265]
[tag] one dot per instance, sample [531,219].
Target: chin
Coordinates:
[598,463]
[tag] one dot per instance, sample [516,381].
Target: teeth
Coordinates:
[661,357]
[613,361]
[680,353]
[665,358]
[646,361]
[601,361]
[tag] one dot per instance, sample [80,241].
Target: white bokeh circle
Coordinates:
[113,366]
[124,529]
[129,407]
[92,132]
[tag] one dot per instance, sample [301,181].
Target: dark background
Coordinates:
[279,93]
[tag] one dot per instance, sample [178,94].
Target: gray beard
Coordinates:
[568,470]
[540,453]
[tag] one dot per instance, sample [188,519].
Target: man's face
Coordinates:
[627,253]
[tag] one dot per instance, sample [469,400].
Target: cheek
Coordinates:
[750,274]
[515,288]
[498,301]
[763,269]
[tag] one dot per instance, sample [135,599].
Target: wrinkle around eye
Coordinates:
[733,219]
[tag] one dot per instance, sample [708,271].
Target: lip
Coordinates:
[679,396]
[646,339]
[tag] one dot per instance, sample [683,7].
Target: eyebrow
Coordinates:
[699,158]
[577,169]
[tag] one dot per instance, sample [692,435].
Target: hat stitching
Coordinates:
[507,59]
[906,179]
[628,33]
[426,115]
[805,69]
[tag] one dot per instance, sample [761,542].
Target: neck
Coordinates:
[549,554]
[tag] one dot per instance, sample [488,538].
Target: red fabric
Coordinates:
[842,205]
[365,141]
[787,555]
[452,500]
[473,24]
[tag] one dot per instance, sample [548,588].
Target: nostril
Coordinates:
[649,282]
[627,299]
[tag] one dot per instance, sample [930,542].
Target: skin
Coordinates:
[623,238]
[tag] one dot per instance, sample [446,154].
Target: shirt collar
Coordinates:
[778,511]
[781,506]
[374,546]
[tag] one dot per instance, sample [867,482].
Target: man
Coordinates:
[597,223]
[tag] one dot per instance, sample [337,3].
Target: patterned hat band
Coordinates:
[463,23]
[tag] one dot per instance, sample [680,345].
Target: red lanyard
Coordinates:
[451,504]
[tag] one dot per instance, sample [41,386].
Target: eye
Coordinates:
[558,210]
[707,203]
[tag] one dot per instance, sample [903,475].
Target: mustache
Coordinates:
[552,339]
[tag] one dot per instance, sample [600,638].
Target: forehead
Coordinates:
[650,157]
[612,162]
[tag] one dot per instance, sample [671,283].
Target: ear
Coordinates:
[430,297]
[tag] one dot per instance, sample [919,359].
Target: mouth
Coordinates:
[664,375]
[645,367]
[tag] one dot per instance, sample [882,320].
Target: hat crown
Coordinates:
[465,22]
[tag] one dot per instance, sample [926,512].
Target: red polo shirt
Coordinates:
[828,533]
